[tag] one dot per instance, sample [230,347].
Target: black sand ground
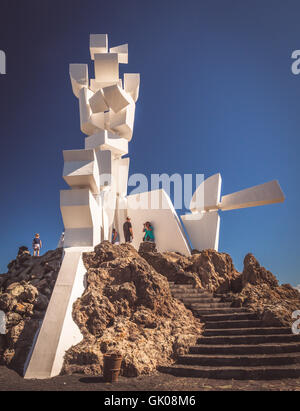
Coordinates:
[11,381]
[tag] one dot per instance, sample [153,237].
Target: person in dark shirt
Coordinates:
[127,228]
[36,245]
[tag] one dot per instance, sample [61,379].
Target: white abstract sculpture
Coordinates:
[97,199]
[203,224]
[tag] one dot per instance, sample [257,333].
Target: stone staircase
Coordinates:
[235,344]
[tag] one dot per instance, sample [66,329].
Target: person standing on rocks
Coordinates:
[115,237]
[128,232]
[36,245]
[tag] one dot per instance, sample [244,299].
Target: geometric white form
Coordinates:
[157,208]
[97,102]
[122,52]
[104,140]
[203,229]
[81,217]
[120,176]
[132,84]
[85,112]
[106,68]
[79,77]
[268,193]
[105,160]
[207,195]
[59,332]
[122,123]
[116,98]
[96,86]
[81,169]
[98,44]
[98,120]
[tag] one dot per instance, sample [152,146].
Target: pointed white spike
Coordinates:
[268,193]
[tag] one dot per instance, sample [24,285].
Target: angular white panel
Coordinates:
[105,140]
[122,123]
[207,195]
[98,121]
[105,159]
[81,169]
[169,234]
[120,175]
[81,216]
[122,52]
[96,86]
[59,331]
[98,44]
[116,98]
[132,84]
[106,68]
[85,112]
[203,229]
[97,103]
[268,193]
[79,77]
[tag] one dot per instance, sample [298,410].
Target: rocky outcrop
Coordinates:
[259,290]
[128,307]
[25,291]
[255,288]
[206,269]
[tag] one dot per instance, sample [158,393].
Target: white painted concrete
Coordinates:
[207,195]
[106,141]
[122,52]
[59,332]
[203,229]
[132,84]
[157,208]
[79,77]
[98,44]
[263,194]
[106,67]
[81,169]
[81,216]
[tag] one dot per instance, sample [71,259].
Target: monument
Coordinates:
[97,200]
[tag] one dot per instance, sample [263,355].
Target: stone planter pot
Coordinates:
[112,366]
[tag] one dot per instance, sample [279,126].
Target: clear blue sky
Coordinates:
[217,95]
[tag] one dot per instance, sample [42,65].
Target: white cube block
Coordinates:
[98,44]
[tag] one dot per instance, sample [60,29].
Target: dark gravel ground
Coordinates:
[11,381]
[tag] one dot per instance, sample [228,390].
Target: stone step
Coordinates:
[245,349]
[220,310]
[209,305]
[229,317]
[180,286]
[233,324]
[181,291]
[247,331]
[248,339]
[191,296]
[240,360]
[189,300]
[238,373]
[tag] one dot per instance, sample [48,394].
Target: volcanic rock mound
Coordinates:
[25,291]
[128,307]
